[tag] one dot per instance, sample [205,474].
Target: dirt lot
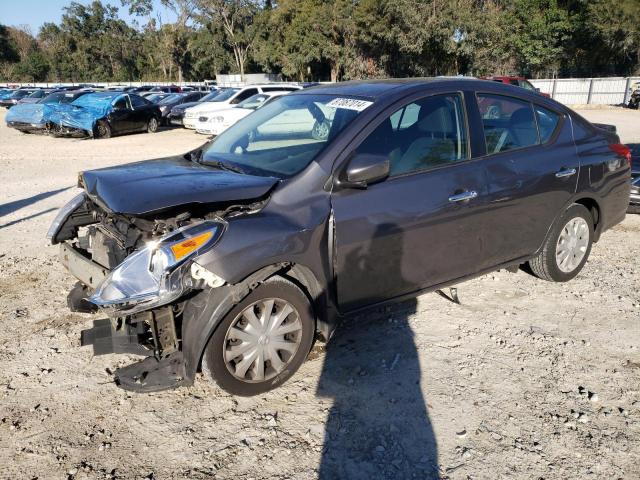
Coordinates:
[525,379]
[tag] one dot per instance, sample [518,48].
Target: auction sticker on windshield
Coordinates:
[349,104]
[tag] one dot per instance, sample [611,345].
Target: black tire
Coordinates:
[102,130]
[213,361]
[152,125]
[545,265]
[633,209]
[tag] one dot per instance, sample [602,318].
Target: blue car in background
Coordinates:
[33,117]
[103,114]
[15,96]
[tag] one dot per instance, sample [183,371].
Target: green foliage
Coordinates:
[33,68]
[328,39]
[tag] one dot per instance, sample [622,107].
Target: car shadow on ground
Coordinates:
[7,208]
[378,425]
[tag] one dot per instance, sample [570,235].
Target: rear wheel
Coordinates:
[152,125]
[103,129]
[567,247]
[262,341]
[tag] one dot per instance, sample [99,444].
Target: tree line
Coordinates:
[307,40]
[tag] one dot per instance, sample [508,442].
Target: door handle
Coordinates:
[461,197]
[566,172]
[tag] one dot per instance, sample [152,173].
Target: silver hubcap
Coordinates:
[153,124]
[262,340]
[572,244]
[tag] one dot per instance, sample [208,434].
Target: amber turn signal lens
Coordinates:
[185,247]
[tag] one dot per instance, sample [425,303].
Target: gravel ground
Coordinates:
[524,379]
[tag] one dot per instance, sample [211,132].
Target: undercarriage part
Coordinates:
[153,375]
[116,336]
[77,299]
[163,329]
[88,272]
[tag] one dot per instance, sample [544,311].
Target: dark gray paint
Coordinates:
[352,248]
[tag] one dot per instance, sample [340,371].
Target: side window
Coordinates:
[137,101]
[424,134]
[121,104]
[547,122]
[250,92]
[514,82]
[508,123]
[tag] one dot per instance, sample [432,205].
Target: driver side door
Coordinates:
[419,227]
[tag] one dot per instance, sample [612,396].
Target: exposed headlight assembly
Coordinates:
[159,273]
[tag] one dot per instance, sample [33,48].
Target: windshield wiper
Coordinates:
[221,165]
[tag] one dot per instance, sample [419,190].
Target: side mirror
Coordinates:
[537,89]
[365,169]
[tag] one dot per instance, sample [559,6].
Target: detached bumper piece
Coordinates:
[153,375]
[151,334]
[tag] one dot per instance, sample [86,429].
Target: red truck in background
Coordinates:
[518,82]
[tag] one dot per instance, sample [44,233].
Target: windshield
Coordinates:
[253,102]
[222,95]
[156,97]
[21,93]
[55,97]
[170,98]
[282,138]
[38,94]
[209,96]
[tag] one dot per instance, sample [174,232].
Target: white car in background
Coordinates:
[229,97]
[221,120]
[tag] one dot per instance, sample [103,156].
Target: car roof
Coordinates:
[376,89]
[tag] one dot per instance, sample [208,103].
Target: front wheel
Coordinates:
[262,341]
[567,247]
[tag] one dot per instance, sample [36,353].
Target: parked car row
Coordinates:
[85,113]
[102,114]
[217,111]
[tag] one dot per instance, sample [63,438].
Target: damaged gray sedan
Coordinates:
[239,255]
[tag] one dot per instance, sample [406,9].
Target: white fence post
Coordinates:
[626,91]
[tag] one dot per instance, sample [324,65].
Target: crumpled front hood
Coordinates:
[153,185]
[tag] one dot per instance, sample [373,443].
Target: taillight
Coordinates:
[621,150]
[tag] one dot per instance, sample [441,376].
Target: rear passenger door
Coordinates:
[120,118]
[419,227]
[532,172]
[142,111]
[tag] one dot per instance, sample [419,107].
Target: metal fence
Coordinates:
[586,91]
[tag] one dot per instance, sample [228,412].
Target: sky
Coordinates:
[36,12]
